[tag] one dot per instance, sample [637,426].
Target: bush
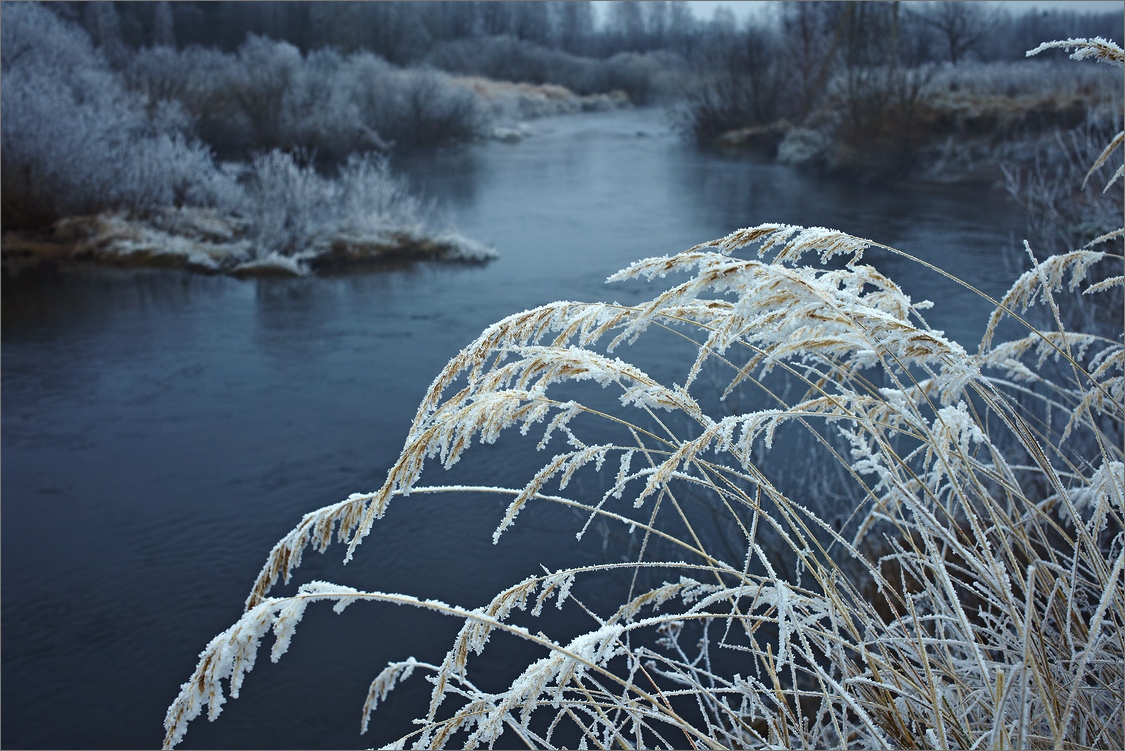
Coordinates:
[74,141]
[269,96]
[293,211]
[296,220]
[416,109]
[953,578]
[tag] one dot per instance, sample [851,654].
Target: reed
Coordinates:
[970,595]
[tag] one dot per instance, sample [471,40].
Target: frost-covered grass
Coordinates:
[1044,78]
[945,568]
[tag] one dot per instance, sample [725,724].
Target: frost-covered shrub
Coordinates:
[292,210]
[965,590]
[416,108]
[296,219]
[266,75]
[648,77]
[323,112]
[195,78]
[370,196]
[267,95]
[751,86]
[878,125]
[75,141]
[287,204]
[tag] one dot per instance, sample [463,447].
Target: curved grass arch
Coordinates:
[974,595]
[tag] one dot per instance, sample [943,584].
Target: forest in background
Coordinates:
[407,33]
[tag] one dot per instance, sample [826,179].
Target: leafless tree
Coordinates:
[960,25]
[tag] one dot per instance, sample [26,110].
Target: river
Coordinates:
[162,430]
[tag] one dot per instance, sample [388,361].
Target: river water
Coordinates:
[162,430]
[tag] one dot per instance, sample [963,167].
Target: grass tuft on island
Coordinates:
[209,241]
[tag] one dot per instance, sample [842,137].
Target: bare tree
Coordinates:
[104,27]
[575,25]
[960,25]
[813,31]
[163,25]
[627,23]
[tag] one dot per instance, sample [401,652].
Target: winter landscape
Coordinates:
[683,377]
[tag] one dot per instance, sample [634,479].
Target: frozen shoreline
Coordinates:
[207,241]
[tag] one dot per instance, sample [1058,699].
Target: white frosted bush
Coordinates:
[296,217]
[369,193]
[74,141]
[267,95]
[972,593]
[287,204]
[197,78]
[412,108]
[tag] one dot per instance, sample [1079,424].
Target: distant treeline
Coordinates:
[407,33]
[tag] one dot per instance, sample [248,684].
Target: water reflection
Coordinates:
[282,306]
[449,178]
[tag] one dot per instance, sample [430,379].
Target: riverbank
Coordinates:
[959,126]
[208,241]
[523,101]
[263,160]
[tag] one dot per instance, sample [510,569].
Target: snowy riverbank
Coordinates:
[208,241]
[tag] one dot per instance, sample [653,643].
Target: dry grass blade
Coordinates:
[949,576]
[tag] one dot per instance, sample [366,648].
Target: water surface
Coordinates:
[162,430]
